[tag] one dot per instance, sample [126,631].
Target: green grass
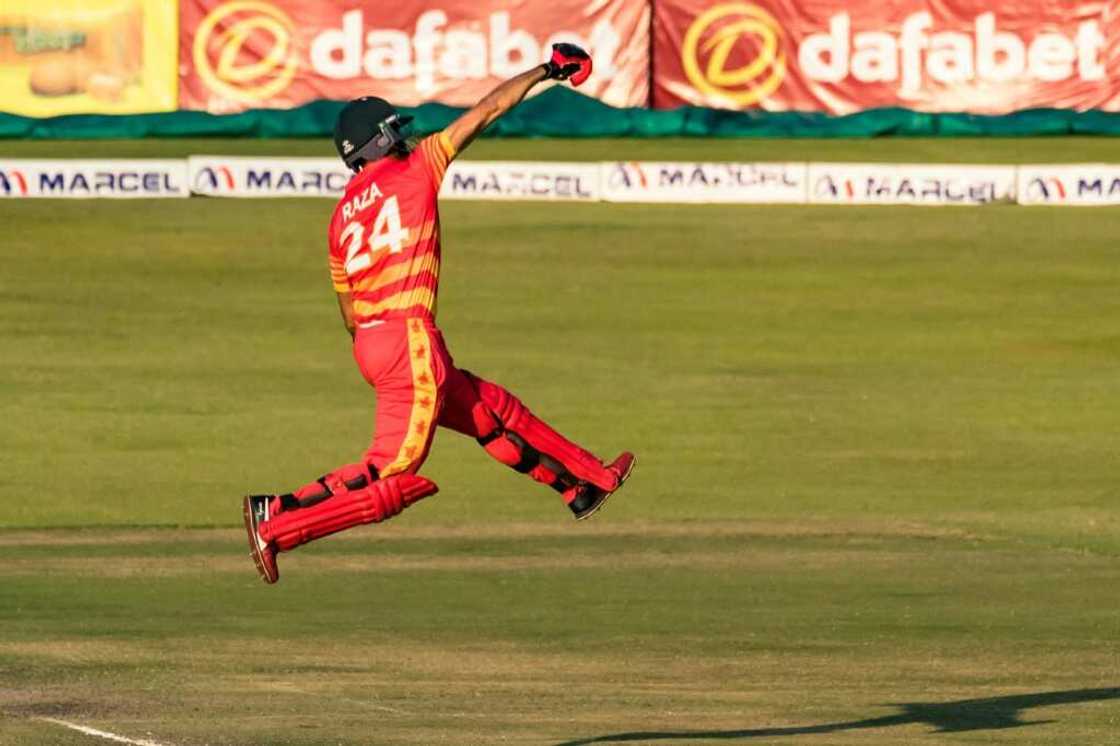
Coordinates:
[876,499]
[519,634]
[910,150]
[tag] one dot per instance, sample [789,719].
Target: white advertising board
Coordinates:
[646,181]
[1069,184]
[83,179]
[508,180]
[744,183]
[227,176]
[909,184]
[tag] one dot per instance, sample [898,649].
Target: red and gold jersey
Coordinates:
[384,234]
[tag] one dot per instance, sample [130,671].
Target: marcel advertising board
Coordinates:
[758,183]
[842,56]
[239,54]
[85,179]
[228,176]
[498,180]
[219,176]
[915,184]
[1087,184]
[88,56]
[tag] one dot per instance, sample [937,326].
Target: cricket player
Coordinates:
[384,260]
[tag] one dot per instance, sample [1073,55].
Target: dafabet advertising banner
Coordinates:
[842,56]
[239,54]
[88,56]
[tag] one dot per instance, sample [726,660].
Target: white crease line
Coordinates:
[102,734]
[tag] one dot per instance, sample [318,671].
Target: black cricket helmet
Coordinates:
[368,128]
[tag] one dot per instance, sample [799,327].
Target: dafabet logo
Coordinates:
[243,51]
[735,52]
[739,54]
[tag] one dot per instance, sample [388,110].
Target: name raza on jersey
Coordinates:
[361,201]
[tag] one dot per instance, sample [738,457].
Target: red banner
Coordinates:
[841,56]
[239,54]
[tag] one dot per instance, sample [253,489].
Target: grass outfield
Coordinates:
[907,150]
[876,500]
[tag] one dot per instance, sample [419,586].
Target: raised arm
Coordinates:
[568,62]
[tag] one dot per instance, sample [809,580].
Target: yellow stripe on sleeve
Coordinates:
[339,279]
[438,154]
[448,148]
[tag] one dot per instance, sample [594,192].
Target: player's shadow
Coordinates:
[946,717]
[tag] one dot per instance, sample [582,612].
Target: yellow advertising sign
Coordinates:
[88,56]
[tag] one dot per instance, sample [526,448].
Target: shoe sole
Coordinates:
[254,544]
[621,481]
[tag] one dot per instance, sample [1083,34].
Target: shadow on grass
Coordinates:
[946,717]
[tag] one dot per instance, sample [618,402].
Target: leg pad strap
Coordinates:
[379,501]
[515,452]
[346,479]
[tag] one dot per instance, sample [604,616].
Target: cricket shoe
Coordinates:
[256,510]
[590,498]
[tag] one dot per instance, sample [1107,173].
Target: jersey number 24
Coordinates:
[387,234]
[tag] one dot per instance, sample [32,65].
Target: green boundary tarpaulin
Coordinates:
[560,112]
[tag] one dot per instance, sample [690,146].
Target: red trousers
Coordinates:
[418,387]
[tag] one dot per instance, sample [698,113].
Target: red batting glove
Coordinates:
[569,63]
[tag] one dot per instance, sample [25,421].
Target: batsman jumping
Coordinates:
[384,259]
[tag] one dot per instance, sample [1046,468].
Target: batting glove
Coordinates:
[569,63]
